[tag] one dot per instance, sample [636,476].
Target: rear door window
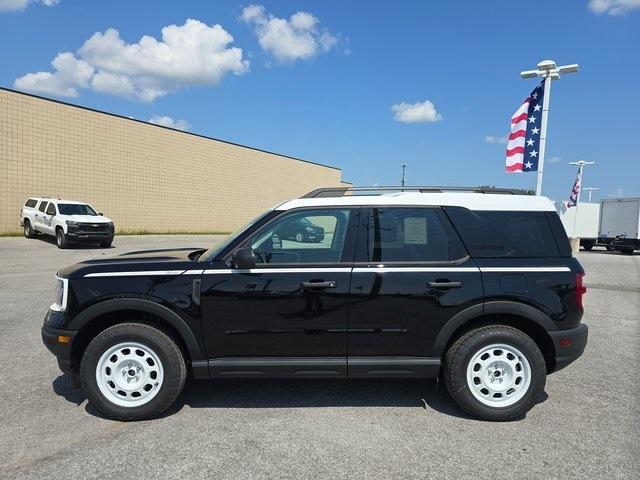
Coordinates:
[408,235]
[43,206]
[495,234]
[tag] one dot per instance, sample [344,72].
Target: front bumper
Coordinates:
[62,350]
[569,345]
[89,237]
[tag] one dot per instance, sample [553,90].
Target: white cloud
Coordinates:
[554,159]
[14,5]
[170,122]
[70,73]
[494,139]
[419,112]
[189,54]
[298,38]
[613,7]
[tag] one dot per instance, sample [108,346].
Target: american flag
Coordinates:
[573,198]
[524,141]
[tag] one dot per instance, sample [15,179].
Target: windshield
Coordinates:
[75,209]
[214,251]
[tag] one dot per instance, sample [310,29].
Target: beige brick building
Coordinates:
[145,177]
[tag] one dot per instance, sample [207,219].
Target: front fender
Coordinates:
[146,306]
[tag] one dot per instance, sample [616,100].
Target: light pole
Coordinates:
[549,71]
[590,189]
[404,167]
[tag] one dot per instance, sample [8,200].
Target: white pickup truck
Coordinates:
[68,221]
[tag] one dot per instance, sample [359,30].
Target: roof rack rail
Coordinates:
[380,190]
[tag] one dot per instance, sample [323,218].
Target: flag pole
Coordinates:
[549,71]
[543,131]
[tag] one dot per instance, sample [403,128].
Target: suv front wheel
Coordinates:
[132,371]
[495,372]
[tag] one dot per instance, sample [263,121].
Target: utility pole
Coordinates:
[404,167]
[548,70]
[590,189]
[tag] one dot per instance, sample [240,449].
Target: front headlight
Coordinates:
[310,230]
[71,224]
[61,294]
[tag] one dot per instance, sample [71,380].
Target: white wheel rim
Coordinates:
[129,374]
[299,237]
[498,375]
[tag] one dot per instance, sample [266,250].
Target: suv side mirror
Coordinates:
[244,258]
[101,214]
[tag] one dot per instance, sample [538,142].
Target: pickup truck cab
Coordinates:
[66,220]
[476,287]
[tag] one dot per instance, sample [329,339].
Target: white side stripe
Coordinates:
[414,269]
[525,269]
[147,273]
[222,271]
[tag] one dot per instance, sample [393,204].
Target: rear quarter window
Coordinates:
[31,203]
[497,234]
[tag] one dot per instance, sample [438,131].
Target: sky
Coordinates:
[361,85]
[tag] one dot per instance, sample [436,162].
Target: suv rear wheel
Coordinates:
[495,372]
[29,232]
[132,371]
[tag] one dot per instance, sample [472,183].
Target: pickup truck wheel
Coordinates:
[61,239]
[495,372]
[105,244]
[610,248]
[29,232]
[132,371]
[626,251]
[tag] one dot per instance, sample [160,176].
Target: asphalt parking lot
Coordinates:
[587,427]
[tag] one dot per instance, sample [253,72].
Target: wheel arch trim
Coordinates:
[146,306]
[495,307]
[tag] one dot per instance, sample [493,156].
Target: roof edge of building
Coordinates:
[95,110]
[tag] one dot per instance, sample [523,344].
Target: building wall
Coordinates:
[144,177]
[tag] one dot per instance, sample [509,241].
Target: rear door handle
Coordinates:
[318,285]
[445,284]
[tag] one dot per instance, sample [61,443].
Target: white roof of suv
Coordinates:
[470,200]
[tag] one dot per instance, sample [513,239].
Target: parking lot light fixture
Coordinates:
[548,70]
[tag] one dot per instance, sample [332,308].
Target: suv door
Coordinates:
[411,276]
[48,219]
[39,217]
[288,315]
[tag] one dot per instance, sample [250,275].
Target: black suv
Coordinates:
[479,288]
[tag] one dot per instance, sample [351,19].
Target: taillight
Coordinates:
[580,289]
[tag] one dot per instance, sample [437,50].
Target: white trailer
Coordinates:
[620,223]
[581,222]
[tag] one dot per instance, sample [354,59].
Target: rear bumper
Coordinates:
[569,345]
[62,351]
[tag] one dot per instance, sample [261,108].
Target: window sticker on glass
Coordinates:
[415,230]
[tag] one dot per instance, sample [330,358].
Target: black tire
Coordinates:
[29,232]
[105,244]
[626,251]
[588,245]
[462,351]
[610,248]
[61,239]
[300,237]
[168,353]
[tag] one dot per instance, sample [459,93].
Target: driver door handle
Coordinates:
[318,285]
